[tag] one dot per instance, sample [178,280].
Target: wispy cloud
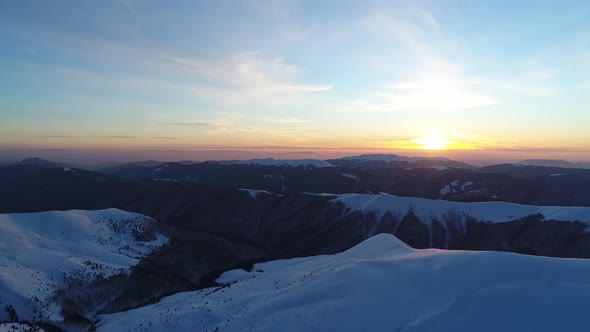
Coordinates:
[88,136]
[532,79]
[232,78]
[110,137]
[283,120]
[437,83]
[165,137]
[129,5]
[211,125]
[246,77]
[443,94]
[521,88]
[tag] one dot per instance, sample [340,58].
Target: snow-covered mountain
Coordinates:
[20,327]
[49,260]
[429,209]
[284,162]
[381,285]
[393,160]
[390,157]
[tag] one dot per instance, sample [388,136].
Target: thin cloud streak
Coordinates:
[109,136]
[246,78]
[283,120]
[211,125]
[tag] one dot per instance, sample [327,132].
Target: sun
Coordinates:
[432,142]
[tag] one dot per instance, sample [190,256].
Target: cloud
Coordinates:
[128,4]
[532,79]
[229,79]
[88,136]
[109,136]
[436,83]
[434,94]
[288,27]
[283,120]
[520,87]
[247,77]
[165,137]
[212,125]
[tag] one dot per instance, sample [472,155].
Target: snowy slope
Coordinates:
[427,209]
[255,192]
[381,285]
[18,327]
[39,251]
[284,162]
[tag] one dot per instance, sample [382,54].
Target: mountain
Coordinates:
[212,229]
[529,171]
[35,189]
[525,184]
[57,265]
[392,160]
[38,163]
[391,157]
[218,216]
[284,162]
[381,285]
[39,189]
[554,163]
[118,166]
[428,209]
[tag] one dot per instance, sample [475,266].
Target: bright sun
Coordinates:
[432,142]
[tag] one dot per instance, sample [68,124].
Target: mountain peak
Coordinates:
[35,162]
[284,162]
[393,160]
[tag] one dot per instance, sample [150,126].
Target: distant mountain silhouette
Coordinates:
[554,163]
[396,161]
[35,162]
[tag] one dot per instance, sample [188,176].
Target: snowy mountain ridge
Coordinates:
[381,285]
[428,209]
[284,162]
[390,157]
[45,256]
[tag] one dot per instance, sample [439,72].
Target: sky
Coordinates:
[464,79]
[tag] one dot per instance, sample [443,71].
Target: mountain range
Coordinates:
[219,216]
[381,285]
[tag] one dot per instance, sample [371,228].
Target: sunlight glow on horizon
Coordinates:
[403,75]
[433,141]
[436,141]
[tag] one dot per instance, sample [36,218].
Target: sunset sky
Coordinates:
[463,79]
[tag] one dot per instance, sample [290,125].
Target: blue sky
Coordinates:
[495,77]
